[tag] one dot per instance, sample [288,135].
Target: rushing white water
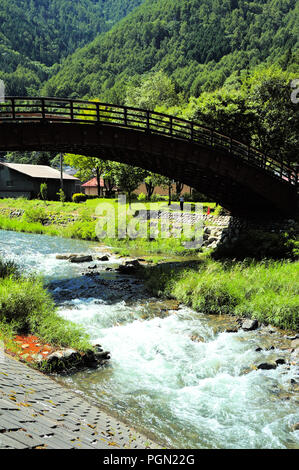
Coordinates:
[187,394]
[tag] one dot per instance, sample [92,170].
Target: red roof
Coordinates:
[93,183]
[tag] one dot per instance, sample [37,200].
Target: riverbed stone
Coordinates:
[267,366]
[249,325]
[63,257]
[69,360]
[103,258]
[280,361]
[81,259]
[129,267]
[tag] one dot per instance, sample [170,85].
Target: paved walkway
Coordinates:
[36,412]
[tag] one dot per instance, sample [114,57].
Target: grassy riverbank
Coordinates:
[80,221]
[27,308]
[267,290]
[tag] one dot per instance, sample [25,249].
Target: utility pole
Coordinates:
[61,172]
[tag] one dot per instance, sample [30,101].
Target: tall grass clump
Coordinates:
[26,307]
[267,291]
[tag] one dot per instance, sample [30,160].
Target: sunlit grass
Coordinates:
[267,291]
[27,307]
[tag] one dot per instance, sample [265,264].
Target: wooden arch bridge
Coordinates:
[239,177]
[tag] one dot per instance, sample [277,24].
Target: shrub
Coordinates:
[8,268]
[141,197]
[199,197]
[35,214]
[259,244]
[187,197]
[43,191]
[27,307]
[218,211]
[61,196]
[79,197]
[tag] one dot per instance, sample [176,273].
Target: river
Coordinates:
[182,393]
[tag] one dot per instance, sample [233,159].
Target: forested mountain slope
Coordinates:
[198,43]
[36,34]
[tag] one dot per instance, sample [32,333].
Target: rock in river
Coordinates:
[81,259]
[267,366]
[249,325]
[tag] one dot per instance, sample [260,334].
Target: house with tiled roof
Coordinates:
[22,180]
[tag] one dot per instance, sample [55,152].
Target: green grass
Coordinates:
[267,291]
[84,227]
[27,307]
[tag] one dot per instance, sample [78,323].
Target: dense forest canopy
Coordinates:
[227,64]
[35,35]
[198,43]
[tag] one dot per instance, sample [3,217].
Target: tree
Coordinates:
[154,89]
[128,178]
[277,123]
[167,183]
[87,167]
[151,181]
[179,188]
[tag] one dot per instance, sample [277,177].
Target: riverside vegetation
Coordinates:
[27,308]
[266,290]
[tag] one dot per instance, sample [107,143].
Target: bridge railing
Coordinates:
[91,112]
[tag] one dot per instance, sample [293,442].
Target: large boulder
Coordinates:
[81,259]
[103,258]
[267,366]
[249,325]
[129,267]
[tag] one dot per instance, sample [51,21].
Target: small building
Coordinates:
[22,180]
[90,188]
[163,191]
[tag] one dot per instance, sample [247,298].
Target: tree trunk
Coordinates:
[149,189]
[169,194]
[179,188]
[109,183]
[98,181]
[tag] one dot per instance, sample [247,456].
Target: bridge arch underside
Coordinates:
[243,189]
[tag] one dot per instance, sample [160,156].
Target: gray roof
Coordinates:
[39,171]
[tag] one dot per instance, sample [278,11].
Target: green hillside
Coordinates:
[35,35]
[198,43]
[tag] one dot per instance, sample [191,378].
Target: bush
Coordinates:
[188,197]
[199,197]
[28,308]
[43,191]
[259,245]
[35,214]
[79,197]
[141,197]
[8,268]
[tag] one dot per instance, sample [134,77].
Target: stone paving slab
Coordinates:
[38,413]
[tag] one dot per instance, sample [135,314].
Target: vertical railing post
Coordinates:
[72,110]
[13,108]
[125,116]
[212,138]
[170,125]
[98,112]
[192,131]
[43,109]
[148,127]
